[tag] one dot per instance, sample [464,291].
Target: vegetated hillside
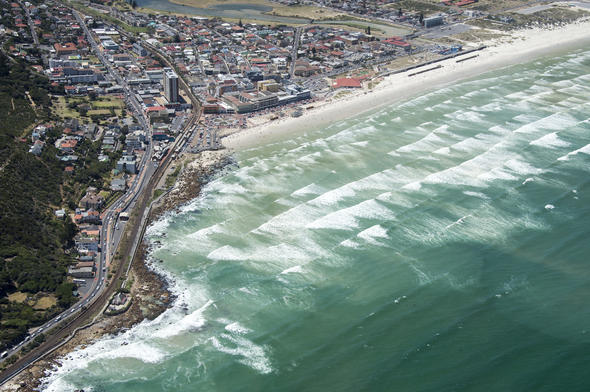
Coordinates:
[32,239]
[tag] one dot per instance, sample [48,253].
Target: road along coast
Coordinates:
[149,290]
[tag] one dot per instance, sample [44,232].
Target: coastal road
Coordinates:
[110,235]
[136,198]
[99,292]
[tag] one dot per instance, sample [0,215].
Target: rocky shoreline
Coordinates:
[149,290]
[150,299]
[197,172]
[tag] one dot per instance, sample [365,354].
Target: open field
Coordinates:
[101,106]
[102,112]
[45,303]
[425,6]
[108,102]
[304,11]
[18,297]
[62,109]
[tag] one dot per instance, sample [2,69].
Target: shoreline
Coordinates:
[149,291]
[198,170]
[522,46]
[151,297]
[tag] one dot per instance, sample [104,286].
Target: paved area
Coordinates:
[532,10]
[446,30]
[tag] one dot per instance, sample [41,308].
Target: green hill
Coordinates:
[32,240]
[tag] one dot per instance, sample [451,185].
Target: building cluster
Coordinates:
[235,69]
[242,68]
[87,241]
[232,68]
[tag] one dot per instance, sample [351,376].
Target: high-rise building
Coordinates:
[170,85]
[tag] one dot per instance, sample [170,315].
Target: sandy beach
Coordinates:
[151,294]
[519,47]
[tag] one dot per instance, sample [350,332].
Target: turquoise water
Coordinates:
[440,244]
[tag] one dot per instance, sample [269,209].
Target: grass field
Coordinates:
[62,109]
[45,303]
[18,297]
[101,106]
[102,112]
[108,102]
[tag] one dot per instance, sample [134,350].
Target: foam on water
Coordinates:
[426,143]
[550,140]
[349,243]
[583,150]
[191,322]
[373,234]
[334,196]
[311,189]
[470,144]
[203,234]
[293,270]
[443,151]
[237,328]
[277,265]
[277,254]
[363,143]
[348,218]
[413,186]
[249,354]
[556,122]
[479,195]
[294,217]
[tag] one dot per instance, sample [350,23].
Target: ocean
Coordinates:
[438,244]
